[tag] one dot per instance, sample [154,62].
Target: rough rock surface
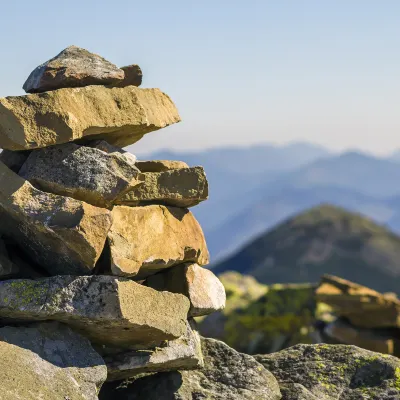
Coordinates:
[145,240]
[48,361]
[133,76]
[334,372]
[110,149]
[160,165]
[73,67]
[355,302]
[179,354]
[81,172]
[14,159]
[108,310]
[184,187]
[204,290]
[227,375]
[121,116]
[63,235]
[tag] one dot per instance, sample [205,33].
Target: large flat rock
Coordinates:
[48,361]
[179,354]
[120,116]
[73,67]
[108,310]
[63,235]
[185,187]
[227,374]
[160,165]
[145,240]
[204,290]
[84,173]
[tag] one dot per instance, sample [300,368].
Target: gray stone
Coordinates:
[48,361]
[185,187]
[204,290]
[83,173]
[108,310]
[14,159]
[133,76]
[227,374]
[73,67]
[179,354]
[62,235]
[334,372]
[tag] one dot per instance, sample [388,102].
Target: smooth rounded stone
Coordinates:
[379,340]
[146,240]
[160,165]
[14,159]
[204,290]
[73,67]
[63,235]
[133,76]
[179,354]
[121,116]
[362,306]
[48,361]
[109,311]
[227,374]
[83,173]
[332,372]
[184,187]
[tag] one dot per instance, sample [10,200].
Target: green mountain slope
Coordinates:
[324,239]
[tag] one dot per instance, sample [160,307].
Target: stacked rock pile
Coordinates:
[362,316]
[101,262]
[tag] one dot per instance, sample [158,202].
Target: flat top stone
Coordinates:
[160,165]
[73,67]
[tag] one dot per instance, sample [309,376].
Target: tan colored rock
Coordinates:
[63,235]
[204,290]
[108,310]
[185,187]
[179,354]
[48,361]
[121,116]
[73,67]
[145,240]
[362,306]
[160,165]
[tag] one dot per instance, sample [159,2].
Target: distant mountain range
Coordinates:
[254,188]
[324,239]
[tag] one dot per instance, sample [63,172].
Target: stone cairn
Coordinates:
[101,262]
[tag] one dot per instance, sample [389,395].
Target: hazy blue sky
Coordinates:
[240,72]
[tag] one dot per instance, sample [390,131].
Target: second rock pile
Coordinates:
[92,238]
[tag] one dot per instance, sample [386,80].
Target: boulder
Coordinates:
[120,116]
[160,165]
[179,354]
[48,361]
[332,372]
[204,290]
[362,306]
[146,240]
[227,374]
[83,173]
[133,76]
[110,149]
[14,159]
[73,67]
[185,187]
[108,310]
[63,235]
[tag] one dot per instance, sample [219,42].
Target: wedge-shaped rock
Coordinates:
[63,235]
[133,76]
[185,187]
[145,240]
[204,290]
[160,165]
[81,172]
[119,115]
[48,361]
[73,67]
[108,310]
[183,354]
[362,306]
